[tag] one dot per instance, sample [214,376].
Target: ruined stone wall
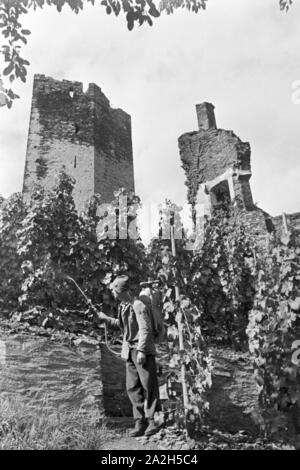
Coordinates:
[257,226]
[113,149]
[209,152]
[79,131]
[50,369]
[212,157]
[292,221]
[62,375]
[233,397]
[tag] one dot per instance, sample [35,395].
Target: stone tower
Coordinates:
[79,131]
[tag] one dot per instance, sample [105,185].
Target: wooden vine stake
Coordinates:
[180,334]
[285,224]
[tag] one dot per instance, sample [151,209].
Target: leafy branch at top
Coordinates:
[285,4]
[136,12]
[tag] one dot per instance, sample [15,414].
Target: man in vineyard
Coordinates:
[138,349]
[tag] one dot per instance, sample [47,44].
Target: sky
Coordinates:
[241,55]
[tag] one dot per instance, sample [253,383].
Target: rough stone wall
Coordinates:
[233,397]
[68,376]
[206,116]
[62,376]
[208,155]
[209,152]
[78,131]
[257,223]
[113,146]
[115,399]
[292,221]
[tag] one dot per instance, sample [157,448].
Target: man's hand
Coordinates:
[91,307]
[141,358]
[101,316]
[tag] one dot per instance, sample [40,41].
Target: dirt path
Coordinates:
[172,439]
[128,443]
[167,438]
[119,440]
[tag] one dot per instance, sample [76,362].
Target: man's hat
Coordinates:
[120,284]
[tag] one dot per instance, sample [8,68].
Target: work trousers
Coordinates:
[142,386]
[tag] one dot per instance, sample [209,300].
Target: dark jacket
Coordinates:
[135,322]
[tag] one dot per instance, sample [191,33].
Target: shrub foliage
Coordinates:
[273,329]
[222,281]
[45,241]
[189,359]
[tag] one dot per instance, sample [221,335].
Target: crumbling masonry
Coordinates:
[218,169]
[79,131]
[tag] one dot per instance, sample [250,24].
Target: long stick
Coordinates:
[180,333]
[88,301]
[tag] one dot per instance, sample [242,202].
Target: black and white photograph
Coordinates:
[149,228]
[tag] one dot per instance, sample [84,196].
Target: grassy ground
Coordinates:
[21,429]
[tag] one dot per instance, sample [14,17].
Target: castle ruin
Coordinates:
[80,132]
[217,165]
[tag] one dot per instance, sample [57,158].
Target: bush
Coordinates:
[12,214]
[188,356]
[46,240]
[222,281]
[274,326]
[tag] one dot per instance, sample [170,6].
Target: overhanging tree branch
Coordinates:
[136,12]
